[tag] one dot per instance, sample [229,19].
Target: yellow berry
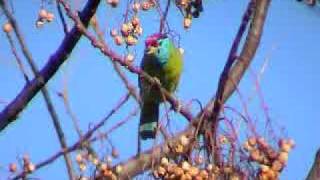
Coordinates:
[164,161]
[119,169]
[185,166]
[131,41]
[82,167]
[184,140]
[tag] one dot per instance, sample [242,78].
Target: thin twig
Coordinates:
[18,59]
[63,21]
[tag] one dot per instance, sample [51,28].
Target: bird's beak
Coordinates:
[151,50]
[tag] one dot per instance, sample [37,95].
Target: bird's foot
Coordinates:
[157,81]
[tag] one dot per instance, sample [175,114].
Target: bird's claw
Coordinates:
[157,81]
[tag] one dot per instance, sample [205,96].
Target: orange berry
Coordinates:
[204,174]
[50,17]
[31,167]
[187,23]
[286,147]
[262,142]
[125,30]
[135,21]
[252,141]
[113,32]
[193,171]
[264,168]
[103,166]
[255,155]
[113,3]
[118,40]
[136,6]
[198,159]
[79,158]
[26,159]
[146,5]
[7,27]
[283,157]
[138,30]
[13,167]
[185,166]
[184,140]
[291,142]
[277,166]
[43,14]
[183,3]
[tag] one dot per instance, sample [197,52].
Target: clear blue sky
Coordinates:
[289,83]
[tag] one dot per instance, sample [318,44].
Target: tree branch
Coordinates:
[314,173]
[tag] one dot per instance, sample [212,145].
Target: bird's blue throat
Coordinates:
[163,53]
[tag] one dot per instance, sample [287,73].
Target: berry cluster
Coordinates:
[191,9]
[129,32]
[103,166]
[44,16]
[28,166]
[271,161]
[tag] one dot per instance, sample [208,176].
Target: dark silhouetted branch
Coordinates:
[314,173]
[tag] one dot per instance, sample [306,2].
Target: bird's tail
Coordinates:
[149,120]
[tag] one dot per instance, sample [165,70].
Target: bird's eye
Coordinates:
[160,43]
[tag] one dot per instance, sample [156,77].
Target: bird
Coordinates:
[163,61]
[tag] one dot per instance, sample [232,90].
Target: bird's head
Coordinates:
[158,45]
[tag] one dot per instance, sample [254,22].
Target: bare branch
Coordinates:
[314,173]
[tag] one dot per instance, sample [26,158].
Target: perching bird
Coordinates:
[163,61]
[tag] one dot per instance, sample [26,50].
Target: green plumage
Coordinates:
[165,63]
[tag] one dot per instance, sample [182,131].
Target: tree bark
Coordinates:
[314,173]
